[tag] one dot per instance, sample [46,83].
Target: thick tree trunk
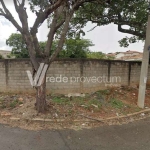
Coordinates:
[40,104]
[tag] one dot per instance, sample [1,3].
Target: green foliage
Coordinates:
[96,55]
[8,56]
[73,48]
[1,57]
[110,57]
[116,103]
[19,48]
[60,100]
[125,42]
[38,4]
[103,92]
[129,15]
[14,103]
[95,103]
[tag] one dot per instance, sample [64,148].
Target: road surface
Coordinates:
[133,136]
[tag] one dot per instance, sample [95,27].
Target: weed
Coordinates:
[13,104]
[2,103]
[59,100]
[3,106]
[103,92]
[93,103]
[79,101]
[116,103]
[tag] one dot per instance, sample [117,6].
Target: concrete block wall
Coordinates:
[135,72]
[3,76]
[70,75]
[64,73]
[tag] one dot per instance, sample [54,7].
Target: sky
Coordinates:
[105,38]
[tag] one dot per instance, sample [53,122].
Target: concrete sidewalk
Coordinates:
[133,136]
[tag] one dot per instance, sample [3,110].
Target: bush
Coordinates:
[1,57]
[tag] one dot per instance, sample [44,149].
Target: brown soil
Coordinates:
[73,112]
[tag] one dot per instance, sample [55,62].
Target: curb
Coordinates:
[89,119]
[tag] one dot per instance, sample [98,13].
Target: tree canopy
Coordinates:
[19,48]
[73,48]
[129,15]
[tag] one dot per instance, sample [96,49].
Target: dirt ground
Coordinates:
[68,112]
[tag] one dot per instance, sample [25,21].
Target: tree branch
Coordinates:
[44,15]
[32,42]
[142,35]
[51,34]
[22,15]
[4,7]
[31,48]
[23,2]
[129,31]
[53,28]
[9,16]
[62,37]
[36,44]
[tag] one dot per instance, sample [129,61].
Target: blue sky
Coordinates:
[105,38]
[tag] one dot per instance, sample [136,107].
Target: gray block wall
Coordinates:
[70,75]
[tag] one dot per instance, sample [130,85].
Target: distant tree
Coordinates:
[1,57]
[19,48]
[73,48]
[96,55]
[9,56]
[110,57]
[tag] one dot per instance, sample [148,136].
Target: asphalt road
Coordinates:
[133,136]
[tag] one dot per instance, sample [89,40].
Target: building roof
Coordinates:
[133,57]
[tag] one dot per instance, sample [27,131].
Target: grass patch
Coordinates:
[94,102]
[60,100]
[103,92]
[116,103]
[78,101]
[14,103]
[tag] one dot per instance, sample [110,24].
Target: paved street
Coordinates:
[133,136]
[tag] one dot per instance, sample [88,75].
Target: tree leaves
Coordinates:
[132,13]
[73,48]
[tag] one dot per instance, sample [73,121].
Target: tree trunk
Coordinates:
[40,104]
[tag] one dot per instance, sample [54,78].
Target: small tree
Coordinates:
[60,13]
